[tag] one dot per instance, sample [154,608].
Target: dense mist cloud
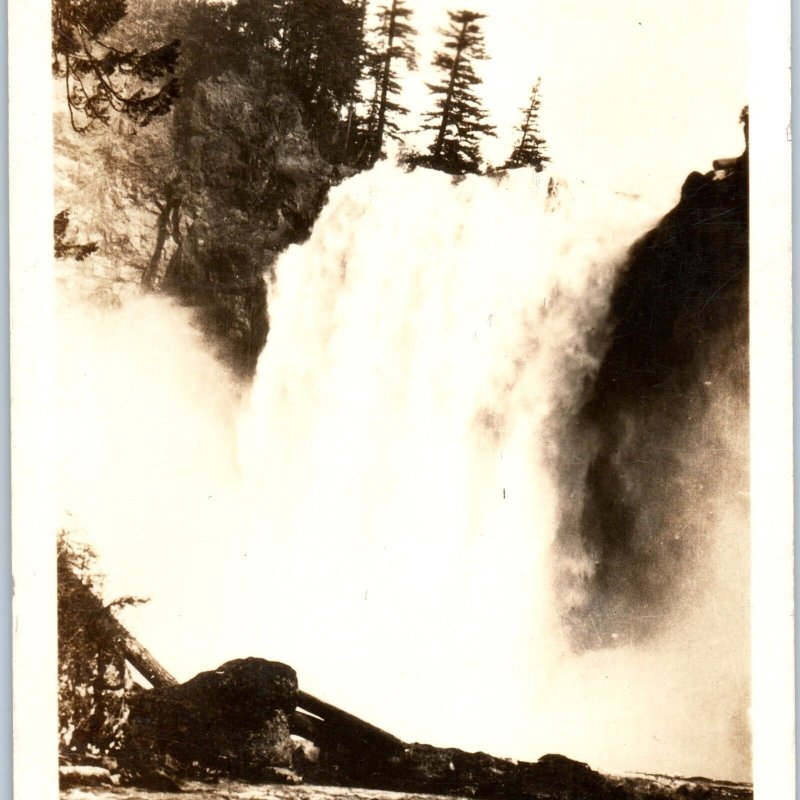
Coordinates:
[397,507]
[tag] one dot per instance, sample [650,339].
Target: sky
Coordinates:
[634,93]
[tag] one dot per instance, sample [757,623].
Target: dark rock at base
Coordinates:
[247,690]
[450,771]
[157,781]
[232,721]
[562,776]
[424,769]
[255,183]
[282,775]
[82,775]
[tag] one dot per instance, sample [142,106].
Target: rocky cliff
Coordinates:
[197,205]
[672,387]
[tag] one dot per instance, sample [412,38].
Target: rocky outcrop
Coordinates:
[678,346]
[423,769]
[685,283]
[248,721]
[198,204]
[252,183]
[232,721]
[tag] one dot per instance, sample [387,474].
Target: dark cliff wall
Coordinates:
[196,206]
[679,315]
[253,183]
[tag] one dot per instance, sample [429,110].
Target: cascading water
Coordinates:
[398,511]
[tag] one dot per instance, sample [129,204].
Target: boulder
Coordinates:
[247,690]
[81,775]
[232,721]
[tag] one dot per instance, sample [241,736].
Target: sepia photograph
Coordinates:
[389,382]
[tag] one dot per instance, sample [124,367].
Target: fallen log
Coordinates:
[135,653]
[329,722]
[335,724]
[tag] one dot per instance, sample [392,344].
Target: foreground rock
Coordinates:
[82,775]
[425,769]
[640,787]
[454,772]
[248,721]
[231,721]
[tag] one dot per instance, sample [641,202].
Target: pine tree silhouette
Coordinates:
[529,151]
[101,78]
[396,32]
[459,116]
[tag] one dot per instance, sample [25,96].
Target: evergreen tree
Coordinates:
[101,78]
[529,151]
[459,118]
[322,49]
[260,23]
[66,248]
[352,123]
[395,32]
[93,682]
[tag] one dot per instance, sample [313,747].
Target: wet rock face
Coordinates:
[232,721]
[252,184]
[198,205]
[449,771]
[685,283]
[247,691]
[678,350]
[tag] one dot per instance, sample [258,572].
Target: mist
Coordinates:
[393,506]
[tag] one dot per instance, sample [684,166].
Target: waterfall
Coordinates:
[394,506]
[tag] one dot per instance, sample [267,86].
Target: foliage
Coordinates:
[529,150]
[395,32]
[322,52]
[100,78]
[459,117]
[64,248]
[314,48]
[92,679]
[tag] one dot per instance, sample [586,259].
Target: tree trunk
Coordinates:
[387,71]
[526,128]
[141,658]
[149,276]
[351,107]
[449,98]
[137,655]
[169,214]
[338,725]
